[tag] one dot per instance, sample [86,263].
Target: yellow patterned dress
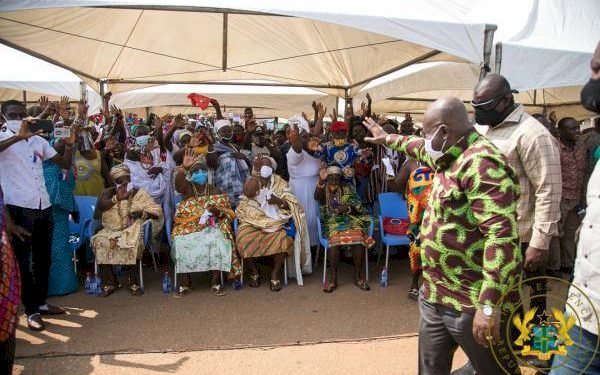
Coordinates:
[417,197]
[120,241]
[207,245]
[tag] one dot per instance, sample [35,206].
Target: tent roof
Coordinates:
[23,73]
[139,43]
[268,101]
[412,90]
[545,43]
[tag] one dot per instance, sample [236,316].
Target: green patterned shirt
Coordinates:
[469,240]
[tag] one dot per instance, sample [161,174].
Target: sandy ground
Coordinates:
[300,330]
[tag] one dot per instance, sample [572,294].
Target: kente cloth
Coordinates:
[10,289]
[231,173]
[121,240]
[200,247]
[348,228]
[418,188]
[254,223]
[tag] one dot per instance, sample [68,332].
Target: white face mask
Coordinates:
[434,154]
[13,125]
[266,171]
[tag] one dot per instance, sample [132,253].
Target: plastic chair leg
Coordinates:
[324,264]
[285,277]
[153,258]
[95,267]
[379,251]
[242,278]
[222,282]
[387,257]
[141,275]
[175,275]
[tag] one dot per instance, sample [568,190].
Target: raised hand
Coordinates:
[62,107]
[116,111]
[364,109]
[44,103]
[189,158]
[82,109]
[321,111]
[334,115]
[214,102]
[379,135]
[305,117]
[25,132]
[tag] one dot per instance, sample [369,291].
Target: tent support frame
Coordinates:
[488,43]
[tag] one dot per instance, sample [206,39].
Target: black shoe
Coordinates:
[49,309]
[467,369]
[35,322]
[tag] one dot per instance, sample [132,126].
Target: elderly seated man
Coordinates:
[202,232]
[124,211]
[345,223]
[265,209]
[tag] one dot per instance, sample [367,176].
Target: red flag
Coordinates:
[199,100]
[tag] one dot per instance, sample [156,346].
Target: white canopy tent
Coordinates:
[266,101]
[26,78]
[542,43]
[336,47]
[413,89]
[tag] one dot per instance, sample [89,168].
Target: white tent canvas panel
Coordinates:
[265,100]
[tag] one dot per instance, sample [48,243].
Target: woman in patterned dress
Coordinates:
[202,234]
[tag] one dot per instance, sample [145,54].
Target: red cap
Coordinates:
[199,100]
[339,125]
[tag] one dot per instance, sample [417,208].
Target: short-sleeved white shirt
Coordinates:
[22,172]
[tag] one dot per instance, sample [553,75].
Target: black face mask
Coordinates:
[491,117]
[590,95]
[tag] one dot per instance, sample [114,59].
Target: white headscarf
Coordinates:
[302,123]
[220,124]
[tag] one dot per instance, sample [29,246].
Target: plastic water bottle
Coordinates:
[383,280]
[89,284]
[236,285]
[166,283]
[97,285]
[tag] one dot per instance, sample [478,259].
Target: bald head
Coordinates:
[493,84]
[449,111]
[445,122]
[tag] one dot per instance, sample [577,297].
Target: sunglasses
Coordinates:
[489,104]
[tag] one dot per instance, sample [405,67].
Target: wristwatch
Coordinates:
[488,310]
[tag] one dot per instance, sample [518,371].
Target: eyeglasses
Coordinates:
[489,104]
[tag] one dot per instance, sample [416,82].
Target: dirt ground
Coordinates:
[300,330]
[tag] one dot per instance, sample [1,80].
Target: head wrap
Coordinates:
[334,170]
[118,171]
[271,160]
[339,126]
[184,132]
[220,124]
[300,121]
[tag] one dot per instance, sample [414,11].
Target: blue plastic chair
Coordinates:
[325,243]
[82,232]
[391,205]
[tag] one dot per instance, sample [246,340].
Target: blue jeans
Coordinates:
[581,352]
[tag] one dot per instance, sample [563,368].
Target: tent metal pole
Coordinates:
[82,90]
[498,65]
[24,96]
[225,27]
[148,114]
[226,83]
[488,43]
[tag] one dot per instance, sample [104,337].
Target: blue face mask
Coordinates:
[142,140]
[199,177]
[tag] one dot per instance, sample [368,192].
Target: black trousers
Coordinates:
[33,254]
[7,355]
[442,330]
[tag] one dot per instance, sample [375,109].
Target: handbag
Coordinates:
[395,226]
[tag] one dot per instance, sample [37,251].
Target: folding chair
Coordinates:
[285,273]
[82,232]
[394,206]
[325,243]
[147,228]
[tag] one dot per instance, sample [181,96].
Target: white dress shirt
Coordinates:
[22,173]
[587,263]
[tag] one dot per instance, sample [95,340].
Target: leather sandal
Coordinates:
[254,281]
[275,286]
[362,285]
[218,290]
[329,287]
[181,291]
[136,290]
[107,290]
